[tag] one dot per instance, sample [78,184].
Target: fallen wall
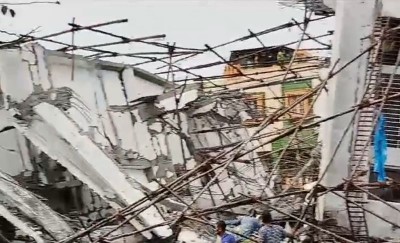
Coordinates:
[80,113]
[58,115]
[25,211]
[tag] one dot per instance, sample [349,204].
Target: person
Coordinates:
[281,58]
[270,233]
[246,226]
[221,232]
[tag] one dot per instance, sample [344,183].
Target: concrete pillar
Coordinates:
[345,90]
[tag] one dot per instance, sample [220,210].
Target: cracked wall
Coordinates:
[116,147]
[207,125]
[69,119]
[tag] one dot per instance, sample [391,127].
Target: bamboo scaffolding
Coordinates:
[235,151]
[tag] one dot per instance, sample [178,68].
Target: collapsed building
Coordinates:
[82,139]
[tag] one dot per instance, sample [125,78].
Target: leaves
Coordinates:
[5,10]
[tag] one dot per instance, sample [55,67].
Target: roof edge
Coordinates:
[113,66]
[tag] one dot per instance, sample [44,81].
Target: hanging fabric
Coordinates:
[380,149]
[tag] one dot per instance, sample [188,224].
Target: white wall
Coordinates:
[14,157]
[76,137]
[378,227]
[390,8]
[345,90]
[330,3]
[34,78]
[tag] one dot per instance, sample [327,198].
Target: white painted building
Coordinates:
[359,24]
[67,119]
[91,136]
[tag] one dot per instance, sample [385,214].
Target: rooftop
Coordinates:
[256,51]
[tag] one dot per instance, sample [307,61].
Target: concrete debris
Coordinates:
[28,213]
[102,139]
[89,127]
[45,114]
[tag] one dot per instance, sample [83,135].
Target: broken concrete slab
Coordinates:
[32,208]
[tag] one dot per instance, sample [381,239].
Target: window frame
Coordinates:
[259,97]
[293,113]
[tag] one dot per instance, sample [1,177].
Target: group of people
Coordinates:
[248,226]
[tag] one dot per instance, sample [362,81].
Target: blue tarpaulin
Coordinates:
[380,149]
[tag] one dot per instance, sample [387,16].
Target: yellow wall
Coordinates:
[266,75]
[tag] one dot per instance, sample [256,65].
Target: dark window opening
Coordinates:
[7,229]
[208,177]
[390,194]
[255,106]
[179,171]
[298,111]
[257,58]
[391,45]
[248,62]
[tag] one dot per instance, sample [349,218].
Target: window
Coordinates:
[390,194]
[257,58]
[255,107]
[247,62]
[208,177]
[300,109]
[391,45]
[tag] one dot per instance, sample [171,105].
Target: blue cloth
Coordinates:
[272,234]
[380,149]
[246,226]
[228,238]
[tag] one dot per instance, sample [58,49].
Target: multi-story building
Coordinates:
[348,140]
[262,74]
[97,142]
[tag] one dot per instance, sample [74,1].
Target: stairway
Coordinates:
[359,164]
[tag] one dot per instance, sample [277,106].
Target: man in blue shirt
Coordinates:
[246,226]
[221,231]
[270,233]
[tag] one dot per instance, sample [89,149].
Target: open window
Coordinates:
[391,45]
[298,111]
[255,107]
[389,194]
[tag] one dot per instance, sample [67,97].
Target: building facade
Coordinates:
[348,140]
[258,74]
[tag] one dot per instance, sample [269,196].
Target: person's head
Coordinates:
[266,217]
[252,213]
[221,227]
